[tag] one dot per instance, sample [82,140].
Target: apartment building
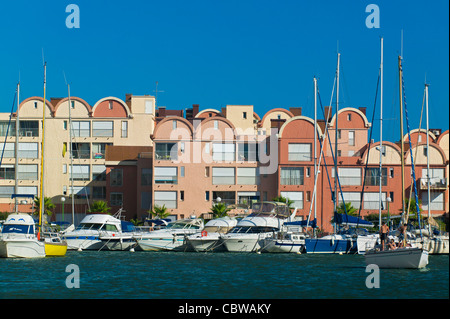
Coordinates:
[76,135]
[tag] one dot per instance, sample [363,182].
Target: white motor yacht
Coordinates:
[19,238]
[209,239]
[290,239]
[171,237]
[98,231]
[249,233]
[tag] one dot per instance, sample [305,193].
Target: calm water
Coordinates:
[175,275]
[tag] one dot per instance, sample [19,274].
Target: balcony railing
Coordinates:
[435,183]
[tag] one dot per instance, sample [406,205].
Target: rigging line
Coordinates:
[368,148]
[7,129]
[345,88]
[412,159]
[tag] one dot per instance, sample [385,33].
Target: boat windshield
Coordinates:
[182,225]
[216,229]
[270,209]
[252,229]
[18,229]
[95,226]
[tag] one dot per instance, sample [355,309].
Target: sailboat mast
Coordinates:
[381,131]
[41,191]
[336,136]
[428,161]
[71,156]
[402,146]
[315,143]
[16,165]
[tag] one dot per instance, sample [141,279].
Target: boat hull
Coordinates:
[283,246]
[22,248]
[55,249]
[412,258]
[177,243]
[118,243]
[330,246]
[243,242]
[205,244]
[84,243]
[435,246]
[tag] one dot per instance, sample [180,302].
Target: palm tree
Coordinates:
[282,199]
[219,210]
[159,212]
[347,208]
[99,206]
[48,206]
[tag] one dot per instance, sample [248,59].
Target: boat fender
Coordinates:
[204,233]
[332,241]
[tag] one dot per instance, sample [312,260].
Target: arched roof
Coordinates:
[300,117]
[207,111]
[417,130]
[173,118]
[377,144]
[352,109]
[289,113]
[38,98]
[74,98]
[109,98]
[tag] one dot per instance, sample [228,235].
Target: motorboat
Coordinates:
[405,257]
[171,237]
[288,240]
[19,238]
[209,239]
[55,246]
[94,232]
[248,235]
[122,239]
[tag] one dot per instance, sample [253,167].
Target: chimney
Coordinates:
[363,110]
[195,108]
[296,111]
[161,111]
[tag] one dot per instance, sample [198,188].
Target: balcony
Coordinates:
[435,183]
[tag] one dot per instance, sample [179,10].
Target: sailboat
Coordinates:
[434,243]
[18,237]
[404,257]
[54,244]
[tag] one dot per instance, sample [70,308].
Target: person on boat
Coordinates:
[392,245]
[384,232]
[402,236]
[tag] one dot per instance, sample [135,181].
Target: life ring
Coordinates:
[204,233]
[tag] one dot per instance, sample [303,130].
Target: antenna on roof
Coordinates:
[156,93]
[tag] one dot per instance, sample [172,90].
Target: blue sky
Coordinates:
[216,52]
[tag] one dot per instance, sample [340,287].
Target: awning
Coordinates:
[344,219]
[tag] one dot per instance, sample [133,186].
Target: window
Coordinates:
[437,201]
[181,195]
[81,129]
[28,150]
[6,191]
[102,129]
[28,171]
[248,176]
[166,151]
[80,172]
[174,125]
[165,175]
[146,200]
[116,177]
[207,196]
[216,125]
[148,107]
[339,134]
[339,153]
[7,171]
[349,117]
[223,152]
[435,173]
[110,105]
[124,129]
[308,171]
[244,115]
[295,197]
[6,126]
[116,199]
[99,192]
[248,198]
[64,169]
[35,105]
[351,137]
[223,175]
[425,151]
[248,152]
[373,176]
[299,152]
[146,177]
[292,176]
[182,171]
[207,171]
[80,192]
[72,104]
[228,198]
[350,176]
[29,128]
[8,150]
[168,199]
[99,172]
[353,198]
[65,125]
[28,190]
[99,150]
[351,153]
[391,172]
[81,150]
[372,201]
